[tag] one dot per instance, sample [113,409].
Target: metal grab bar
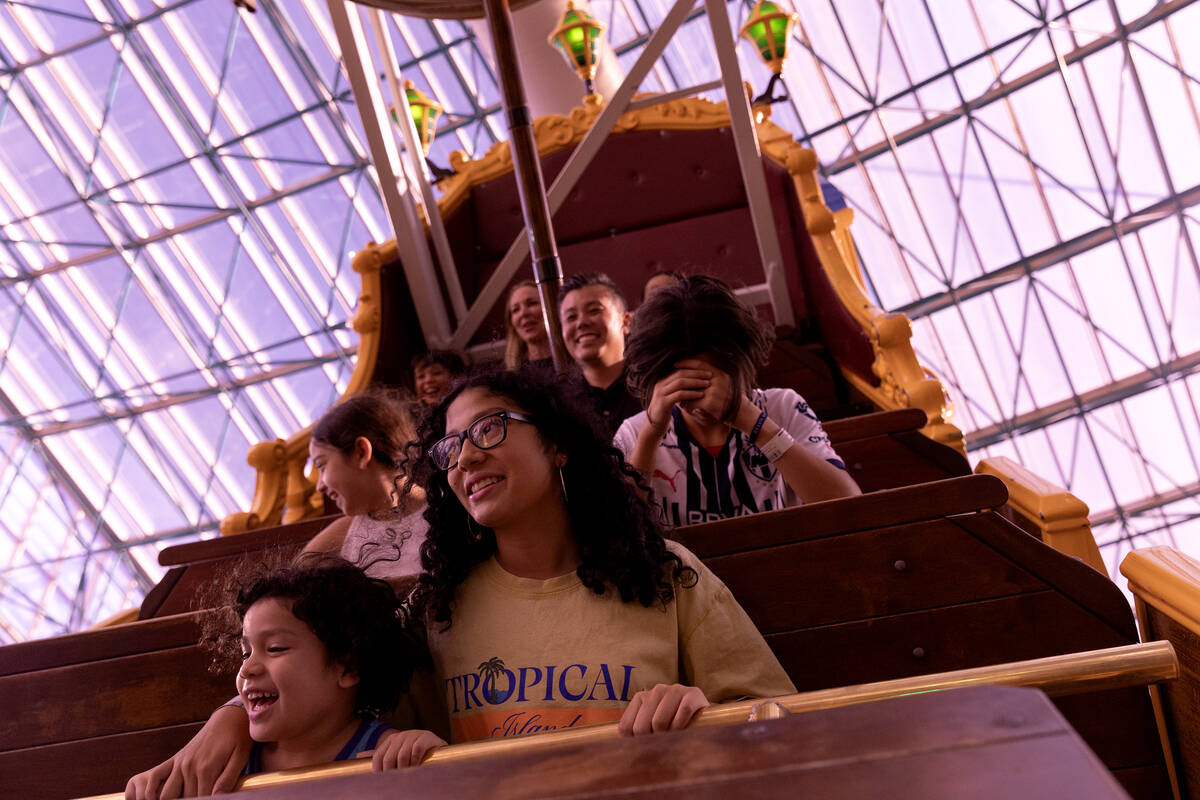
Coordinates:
[1073,673]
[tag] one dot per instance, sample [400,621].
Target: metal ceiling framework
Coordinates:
[182,185]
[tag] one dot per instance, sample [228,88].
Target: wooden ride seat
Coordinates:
[896,583]
[658,195]
[883,450]
[194,566]
[664,191]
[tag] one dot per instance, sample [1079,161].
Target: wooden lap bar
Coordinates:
[926,579]
[982,743]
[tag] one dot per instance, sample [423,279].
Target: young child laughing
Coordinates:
[325,650]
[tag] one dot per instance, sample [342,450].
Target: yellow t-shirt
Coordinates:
[527,655]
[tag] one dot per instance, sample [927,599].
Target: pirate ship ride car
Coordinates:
[933,570]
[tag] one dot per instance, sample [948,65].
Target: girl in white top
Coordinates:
[358,448]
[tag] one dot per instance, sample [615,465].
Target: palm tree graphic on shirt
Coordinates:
[490,670]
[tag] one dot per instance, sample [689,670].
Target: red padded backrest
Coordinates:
[655,200]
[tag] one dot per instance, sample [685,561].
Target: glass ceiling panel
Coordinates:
[182,188]
[183,185]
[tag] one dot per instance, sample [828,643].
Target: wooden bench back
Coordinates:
[85,711]
[883,450]
[656,197]
[926,579]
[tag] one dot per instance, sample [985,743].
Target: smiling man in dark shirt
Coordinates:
[595,320]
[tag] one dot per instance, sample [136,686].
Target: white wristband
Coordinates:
[778,444]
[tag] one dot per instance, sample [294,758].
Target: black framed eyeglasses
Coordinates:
[485,433]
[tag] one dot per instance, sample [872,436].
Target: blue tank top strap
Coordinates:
[254,763]
[365,738]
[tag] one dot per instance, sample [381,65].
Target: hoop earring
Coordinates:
[473,529]
[563,480]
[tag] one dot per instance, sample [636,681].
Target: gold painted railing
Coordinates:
[1057,516]
[1074,673]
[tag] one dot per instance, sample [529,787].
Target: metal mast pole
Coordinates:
[547,269]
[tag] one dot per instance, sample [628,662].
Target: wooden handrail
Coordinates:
[1073,673]
[1058,517]
[1168,580]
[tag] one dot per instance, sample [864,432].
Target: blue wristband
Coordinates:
[762,420]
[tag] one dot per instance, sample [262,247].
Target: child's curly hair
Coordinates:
[362,624]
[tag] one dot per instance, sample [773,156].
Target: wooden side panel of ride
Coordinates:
[83,710]
[899,591]
[896,583]
[1166,588]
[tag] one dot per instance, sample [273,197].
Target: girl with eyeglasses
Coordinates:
[551,598]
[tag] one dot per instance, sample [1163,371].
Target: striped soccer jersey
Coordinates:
[693,486]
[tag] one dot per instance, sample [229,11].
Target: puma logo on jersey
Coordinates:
[658,473]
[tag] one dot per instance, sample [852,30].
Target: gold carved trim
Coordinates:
[1060,517]
[119,618]
[283,491]
[555,132]
[903,381]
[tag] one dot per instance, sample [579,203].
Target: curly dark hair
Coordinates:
[699,316]
[615,528]
[362,624]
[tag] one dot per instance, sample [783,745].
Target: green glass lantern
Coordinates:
[577,37]
[425,113]
[769,28]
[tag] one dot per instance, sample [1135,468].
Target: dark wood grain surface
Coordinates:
[979,743]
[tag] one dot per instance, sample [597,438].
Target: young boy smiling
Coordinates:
[324,652]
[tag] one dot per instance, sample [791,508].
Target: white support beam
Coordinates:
[745,139]
[416,154]
[572,170]
[410,234]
